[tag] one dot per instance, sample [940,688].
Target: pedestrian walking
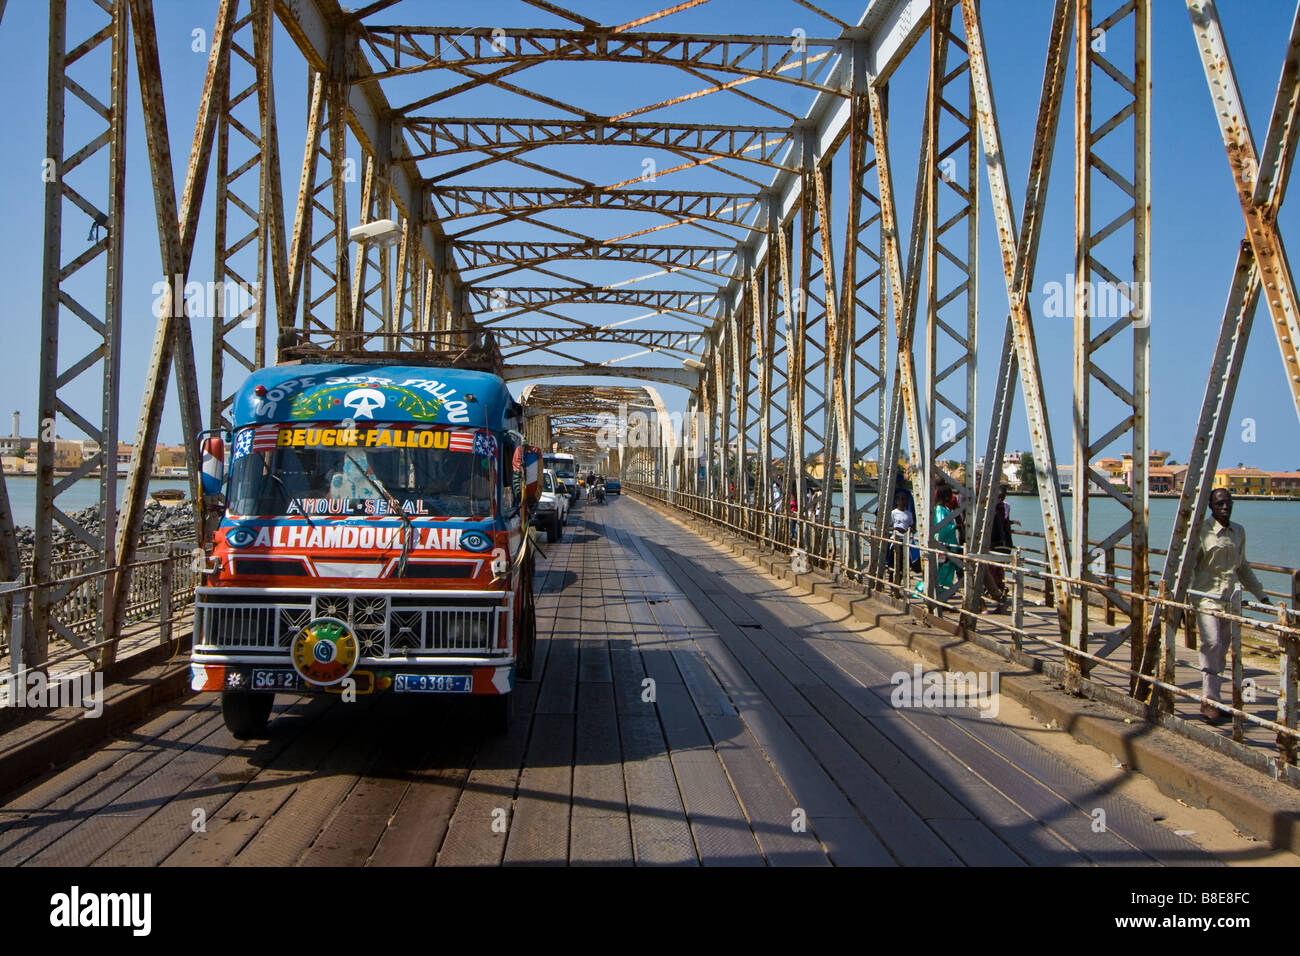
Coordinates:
[1221,568]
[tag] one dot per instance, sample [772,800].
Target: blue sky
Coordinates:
[1197,222]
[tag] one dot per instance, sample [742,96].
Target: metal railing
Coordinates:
[850,556]
[162,585]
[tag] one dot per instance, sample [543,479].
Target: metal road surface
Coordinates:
[770,740]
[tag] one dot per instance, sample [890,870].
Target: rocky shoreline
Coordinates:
[160,521]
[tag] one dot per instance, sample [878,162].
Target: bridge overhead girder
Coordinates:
[625,427]
[667,376]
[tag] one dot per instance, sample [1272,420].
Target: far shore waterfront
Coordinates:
[83,494]
[93,475]
[1236,496]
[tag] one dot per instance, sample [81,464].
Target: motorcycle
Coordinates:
[599,492]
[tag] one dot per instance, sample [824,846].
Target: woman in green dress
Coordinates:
[944,502]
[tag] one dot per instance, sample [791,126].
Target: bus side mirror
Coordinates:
[532,475]
[212,453]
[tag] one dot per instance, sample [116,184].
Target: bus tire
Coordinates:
[527,637]
[246,713]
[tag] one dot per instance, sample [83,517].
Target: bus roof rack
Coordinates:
[472,349]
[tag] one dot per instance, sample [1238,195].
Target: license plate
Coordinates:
[433,683]
[276,680]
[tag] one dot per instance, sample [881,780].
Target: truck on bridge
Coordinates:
[373,534]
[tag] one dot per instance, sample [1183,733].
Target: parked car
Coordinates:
[551,512]
[613,486]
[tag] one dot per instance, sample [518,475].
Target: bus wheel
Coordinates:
[495,711]
[527,638]
[246,713]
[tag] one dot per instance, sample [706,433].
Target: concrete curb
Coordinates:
[1181,768]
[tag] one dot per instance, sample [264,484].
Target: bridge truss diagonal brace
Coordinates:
[173,345]
[1260,181]
[1090,352]
[250,44]
[1021,321]
[1261,184]
[1026,253]
[105,322]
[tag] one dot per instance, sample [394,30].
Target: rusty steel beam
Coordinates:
[764,327]
[672,339]
[1015,270]
[1026,253]
[1125,376]
[173,346]
[240,262]
[863,390]
[451,136]
[528,298]
[1265,198]
[318,29]
[104,204]
[522,255]
[301,240]
[404,50]
[723,380]
[869,321]
[271,185]
[951,269]
[460,202]
[904,405]
[1261,224]
[836,445]
[668,376]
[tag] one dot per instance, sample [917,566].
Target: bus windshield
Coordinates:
[330,470]
[563,466]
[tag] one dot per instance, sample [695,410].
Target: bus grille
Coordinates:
[385,626]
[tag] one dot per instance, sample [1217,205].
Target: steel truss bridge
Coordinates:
[805,325]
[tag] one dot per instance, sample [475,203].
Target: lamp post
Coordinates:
[385,234]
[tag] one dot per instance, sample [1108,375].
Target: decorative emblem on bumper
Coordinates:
[324,652]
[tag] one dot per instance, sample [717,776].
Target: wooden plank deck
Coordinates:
[685,711]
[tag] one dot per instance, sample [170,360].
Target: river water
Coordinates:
[83,494]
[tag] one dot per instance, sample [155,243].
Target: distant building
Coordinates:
[1065,478]
[1180,476]
[1112,468]
[1284,483]
[67,455]
[1011,469]
[13,445]
[1155,460]
[1242,481]
[169,456]
[1163,481]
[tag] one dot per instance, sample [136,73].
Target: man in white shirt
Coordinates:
[1220,565]
[900,523]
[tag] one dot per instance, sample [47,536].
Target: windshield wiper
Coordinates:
[407,542]
[292,501]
